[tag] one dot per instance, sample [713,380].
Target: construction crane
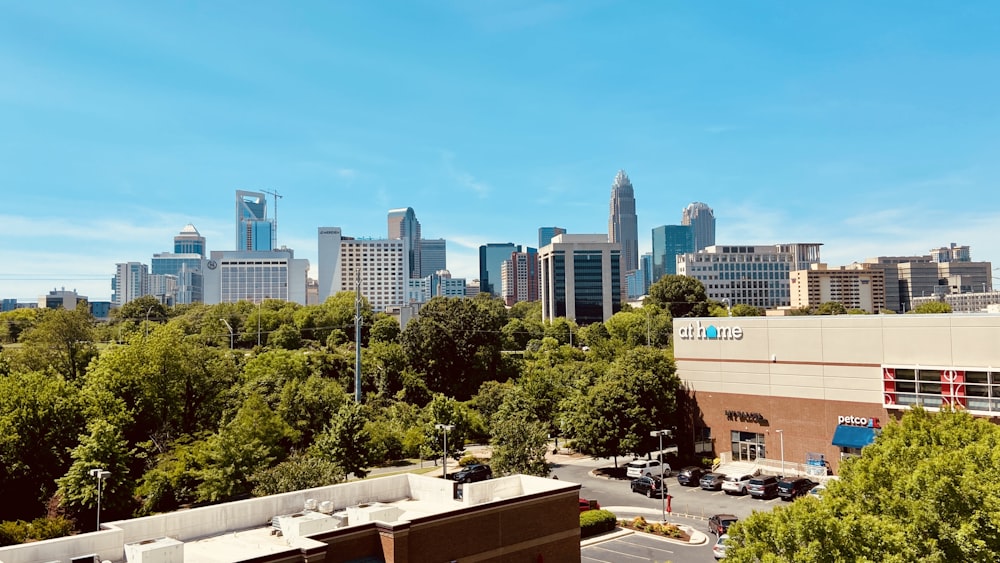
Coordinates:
[274,228]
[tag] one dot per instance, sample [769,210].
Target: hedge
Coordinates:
[593,522]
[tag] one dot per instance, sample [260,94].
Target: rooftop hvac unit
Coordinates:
[161,550]
[92,558]
[310,504]
[326,507]
[304,524]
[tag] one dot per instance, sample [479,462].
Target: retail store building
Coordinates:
[818,388]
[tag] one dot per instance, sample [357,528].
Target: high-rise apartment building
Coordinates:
[668,242]
[520,277]
[545,234]
[853,287]
[131,282]
[623,224]
[254,231]
[752,275]
[403,225]
[381,267]
[433,256]
[581,278]
[701,219]
[439,284]
[491,259]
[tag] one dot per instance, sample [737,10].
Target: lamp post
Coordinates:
[663,487]
[100,475]
[148,311]
[729,305]
[444,455]
[224,321]
[259,303]
[781,434]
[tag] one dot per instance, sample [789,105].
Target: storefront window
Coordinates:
[977,390]
[747,446]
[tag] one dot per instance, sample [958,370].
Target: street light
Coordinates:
[781,434]
[100,475]
[663,487]
[444,456]
[230,332]
[148,311]
[259,303]
[729,305]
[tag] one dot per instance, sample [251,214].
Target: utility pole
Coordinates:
[357,338]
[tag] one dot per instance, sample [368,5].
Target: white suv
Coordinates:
[736,484]
[640,467]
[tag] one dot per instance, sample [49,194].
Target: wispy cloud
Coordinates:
[462,178]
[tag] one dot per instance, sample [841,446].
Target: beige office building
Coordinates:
[855,288]
[812,389]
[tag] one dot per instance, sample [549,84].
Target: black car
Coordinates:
[791,487]
[690,476]
[712,481]
[472,473]
[719,524]
[763,486]
[649,486]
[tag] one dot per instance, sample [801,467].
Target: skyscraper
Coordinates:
[702,221]
[668,242]
[254,231]
[433,256]
[189,241]
[131,281]
[580,278]
[491,258]
[545,234]
[622,222]
[403,225]
[379,265]
[520,277]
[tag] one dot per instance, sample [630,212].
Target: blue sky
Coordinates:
[868,126]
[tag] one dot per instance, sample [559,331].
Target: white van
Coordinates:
[640,467]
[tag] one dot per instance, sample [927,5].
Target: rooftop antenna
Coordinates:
[274,231]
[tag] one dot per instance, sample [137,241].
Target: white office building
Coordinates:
[232,276]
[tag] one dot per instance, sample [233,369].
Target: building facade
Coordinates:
[854,288]
[701,219]
[751,275]
[189,241]
[975,302]
[380,266]
[491,258]
[623,225]
[520,277]
[545,234]
[439,284]
[669,241]
[817,388]
[233,276]
[433,256]
[581,278]
[254,231]
[131,282]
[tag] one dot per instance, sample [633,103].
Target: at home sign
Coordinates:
[696,331]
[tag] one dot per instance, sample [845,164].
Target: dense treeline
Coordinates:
[183,406]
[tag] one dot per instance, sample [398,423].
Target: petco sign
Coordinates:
[859,421]
[711,332]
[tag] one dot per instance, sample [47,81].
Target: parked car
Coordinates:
[719,524]
[763,486]
[591,504]
[649,486]
[472,473]
[736,484]
[817,491]
[689,476]
[640,467]
[791,487]
[719,549]
[711,481]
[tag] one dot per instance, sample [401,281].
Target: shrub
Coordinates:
[469,459]
[593,522]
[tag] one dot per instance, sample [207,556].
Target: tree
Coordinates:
[62,340]
[455,343]
[385,329]
[744,310]
[41,418]
[142,309]
[931,308]
[295,474]
[346,442]
[518,439]
[682,296]
[103,448]
[831,308]
[285,336]
[925,490]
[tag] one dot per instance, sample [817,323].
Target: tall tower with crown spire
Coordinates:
[622,222]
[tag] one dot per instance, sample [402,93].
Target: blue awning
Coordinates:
[853,436]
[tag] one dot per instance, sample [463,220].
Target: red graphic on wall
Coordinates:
[953,387]
[889,385]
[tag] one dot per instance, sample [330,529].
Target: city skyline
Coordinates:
[872,135]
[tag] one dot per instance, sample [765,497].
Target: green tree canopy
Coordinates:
[831,308]
[60,339]
[682,296]
[346,442]
[932,308]
[926,490]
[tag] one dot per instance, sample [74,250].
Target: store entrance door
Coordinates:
[747,446]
